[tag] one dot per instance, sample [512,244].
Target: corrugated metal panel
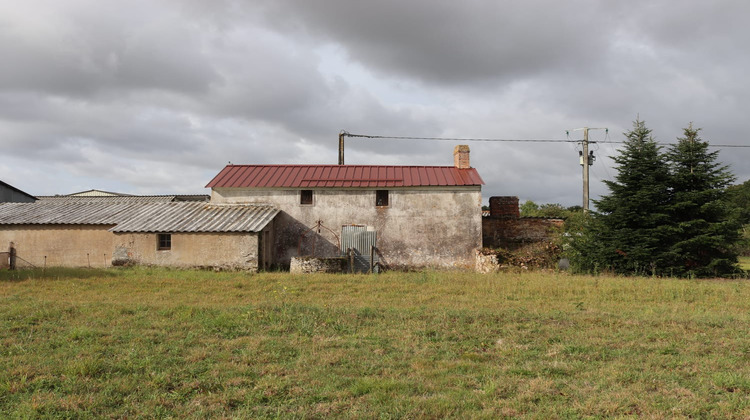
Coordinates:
[50,212]
[123,199]
[142,217]
[342,176]
[11,194]
[361,241]
[199,217]
[96,193]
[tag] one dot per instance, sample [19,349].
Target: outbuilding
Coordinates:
[11,194]
[175,234]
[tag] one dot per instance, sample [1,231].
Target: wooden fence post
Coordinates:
[372,259]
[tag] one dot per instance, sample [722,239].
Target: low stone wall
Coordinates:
[304,265]
[534,255]
[486,261]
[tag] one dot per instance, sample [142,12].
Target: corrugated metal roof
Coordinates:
[50,212]
[142,217]
[126,198]
[198,217]
[96,193]
[342,176]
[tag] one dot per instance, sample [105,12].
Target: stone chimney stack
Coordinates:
[461,157]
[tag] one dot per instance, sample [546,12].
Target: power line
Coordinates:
[368,136]
[669,144]
[372,136]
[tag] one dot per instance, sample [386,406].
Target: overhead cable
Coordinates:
[372,136]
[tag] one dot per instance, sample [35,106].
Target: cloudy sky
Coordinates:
[156,96]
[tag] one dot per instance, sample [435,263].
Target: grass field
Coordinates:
[160,343]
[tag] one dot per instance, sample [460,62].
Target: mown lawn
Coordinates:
[159,343]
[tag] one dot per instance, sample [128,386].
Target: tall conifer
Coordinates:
[630,230]
[705,233]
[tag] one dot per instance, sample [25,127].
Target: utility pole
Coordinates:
[585,164]
[586,159]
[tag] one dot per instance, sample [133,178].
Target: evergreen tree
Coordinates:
[738,197]
[705,234]
[629,233]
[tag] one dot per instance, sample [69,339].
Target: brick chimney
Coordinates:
[504,207]
[461,157]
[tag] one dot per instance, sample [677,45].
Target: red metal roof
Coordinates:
[342,176]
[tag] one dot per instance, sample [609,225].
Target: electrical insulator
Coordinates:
[592,158]
[580,157]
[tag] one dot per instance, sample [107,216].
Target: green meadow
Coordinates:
[142,342]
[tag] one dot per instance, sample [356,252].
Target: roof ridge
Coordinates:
[291,165]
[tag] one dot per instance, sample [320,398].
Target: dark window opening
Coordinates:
[164,241]
[381,198]
[306,197]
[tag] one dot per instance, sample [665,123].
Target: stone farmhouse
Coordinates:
[420,216]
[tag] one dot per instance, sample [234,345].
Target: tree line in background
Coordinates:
[669,212]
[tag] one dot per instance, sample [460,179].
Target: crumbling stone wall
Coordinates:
[486,261]
[304,265]
[505,229]
[512,233]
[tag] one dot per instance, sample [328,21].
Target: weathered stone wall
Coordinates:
[216,250]
[95,246]
[429,227]
[510,233]
[304,265]
[63,245]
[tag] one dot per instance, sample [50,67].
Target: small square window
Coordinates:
[164,241]
[306,197]
[381,198]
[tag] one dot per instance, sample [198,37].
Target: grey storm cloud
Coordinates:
[156,96]
[456,43]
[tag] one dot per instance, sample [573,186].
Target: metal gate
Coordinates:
[360,241]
